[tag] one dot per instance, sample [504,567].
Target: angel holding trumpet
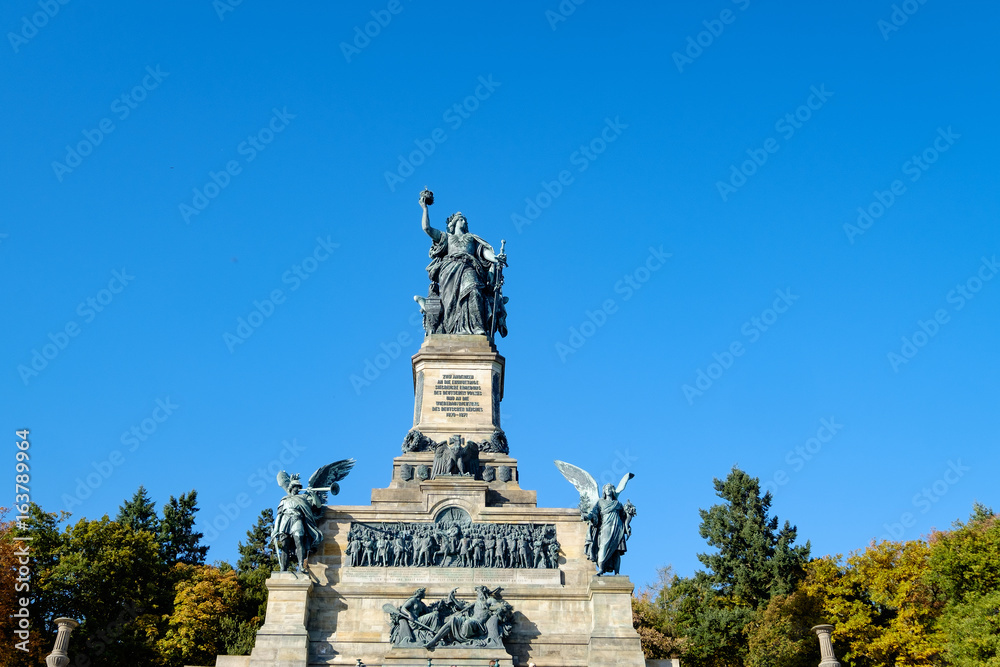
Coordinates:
[296,525]
[610,521]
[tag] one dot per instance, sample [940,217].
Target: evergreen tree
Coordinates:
[710,614]
[179,542]
[258,552]
[754,560]
[257,561]
[139,513]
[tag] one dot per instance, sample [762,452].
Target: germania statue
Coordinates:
[610,521]
[296,530]
[466,277]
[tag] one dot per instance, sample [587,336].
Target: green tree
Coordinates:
[258,552]
[139,513]
[781,634]
[257,561]
[754,560]
[965,561]
[881,604]
[972,631]
[179,542]
[110,577]
[965,567]
[655,621]
[203,596]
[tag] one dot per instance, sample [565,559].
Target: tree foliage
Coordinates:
[109,576]
[933,601]
[708,616]
[781,634]
[754,560]
[204,595]
[257,560]
[139,512]
[179,541]
[972,631]
[137,585]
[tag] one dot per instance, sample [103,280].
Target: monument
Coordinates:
[507,581]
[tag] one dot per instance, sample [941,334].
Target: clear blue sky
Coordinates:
[669,146]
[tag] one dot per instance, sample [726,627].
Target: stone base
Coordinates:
[457,386]
[563,617]
[283,640]
[447,656]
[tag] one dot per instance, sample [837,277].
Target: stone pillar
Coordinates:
[283,640]
[613,640]
[825,647]
[457,386]
[59,657]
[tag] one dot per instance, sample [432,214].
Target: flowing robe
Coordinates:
[404,632]
[606,542]
[466,626]
[297,516]
[462,273]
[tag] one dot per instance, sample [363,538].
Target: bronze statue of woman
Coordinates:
[462,268]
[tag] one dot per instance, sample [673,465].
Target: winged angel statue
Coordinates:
[610,521]
[296,526]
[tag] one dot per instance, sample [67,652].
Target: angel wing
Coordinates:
[283,479]
[332,472]
[621,484]
[583,481]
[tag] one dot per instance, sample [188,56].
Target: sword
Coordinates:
[498,284]
[389,609]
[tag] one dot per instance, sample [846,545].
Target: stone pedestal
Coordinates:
[828,659]
[457,386]
[283,640]
[59,657]
[613,639]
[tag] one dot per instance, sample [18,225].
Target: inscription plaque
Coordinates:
[457,394]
